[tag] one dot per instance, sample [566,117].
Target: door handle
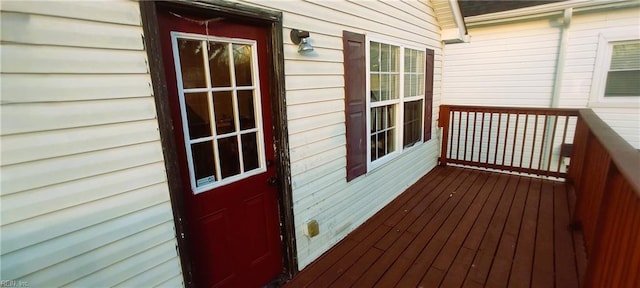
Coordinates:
[272,180]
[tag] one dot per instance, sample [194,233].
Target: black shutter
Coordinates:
[428,96]
[355,103]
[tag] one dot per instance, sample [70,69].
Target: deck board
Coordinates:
[459,227]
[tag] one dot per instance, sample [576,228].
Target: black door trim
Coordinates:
[273,21]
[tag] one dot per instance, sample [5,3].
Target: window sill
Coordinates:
[389,158]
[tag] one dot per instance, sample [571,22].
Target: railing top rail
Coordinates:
[514,110]
[623,155]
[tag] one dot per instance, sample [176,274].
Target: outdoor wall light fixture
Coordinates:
[301,38]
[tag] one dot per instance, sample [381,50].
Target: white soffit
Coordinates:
[451,21]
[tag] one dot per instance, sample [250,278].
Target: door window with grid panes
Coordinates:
[219,100]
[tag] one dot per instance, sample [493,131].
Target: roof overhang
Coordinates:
[547,10]
[452,24]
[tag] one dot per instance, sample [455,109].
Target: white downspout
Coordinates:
[557,83]
[560,62]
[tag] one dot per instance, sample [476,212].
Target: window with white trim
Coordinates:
[219,98]
[623,77]
[396,82]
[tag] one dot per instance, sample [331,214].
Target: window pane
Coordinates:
[420,61]
[374,149]
[394,86]
[414,75]
[382,131]
[219,64]
[191,63]
[412,123]
[229,159]
[198,115]
[203,162]
[384,57]
[391,134]
[384,87]
[407,60]
[242,62]
[250,151]
[374,59]
[375,88]
[394,55]
[223,109]
[245,109]
[626,57]
[623,83]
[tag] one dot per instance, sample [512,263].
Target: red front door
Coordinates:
[216,71]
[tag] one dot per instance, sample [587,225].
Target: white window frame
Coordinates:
[399,117]
[262,167]
[606,40]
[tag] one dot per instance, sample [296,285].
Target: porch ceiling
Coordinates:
[456,227]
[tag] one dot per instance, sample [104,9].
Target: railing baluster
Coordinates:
[481,134]
[544,137]
[466,136]
[515,136]
[524,137]
[553,136]
[533,143]
[450,136]
[564,138]
[495,154]
[489,135]
[473,135]
[459,129]
[506,137]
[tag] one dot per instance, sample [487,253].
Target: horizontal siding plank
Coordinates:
[299,67]
[375,18]
[305,199]
[129,266]
[30,175]
[33,117]
[302,152]
[152,222]
[343,18]
[37,202]
[35,230]
[306,183]
[122,12]
[20,88]
[306,137]
[174,281]
[314,82]
[318,159]
[315,121]
[84,264]
[45,30]
[419,9]
[54,59]
[309,110]
[56,143]
[153,276]
[295,97]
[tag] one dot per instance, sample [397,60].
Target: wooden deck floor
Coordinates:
[460,227]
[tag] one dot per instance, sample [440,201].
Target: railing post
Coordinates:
[443,122]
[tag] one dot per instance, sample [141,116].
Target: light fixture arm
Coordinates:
[298,35]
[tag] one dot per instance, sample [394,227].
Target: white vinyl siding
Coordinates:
[513,64]
[84,195]
[315,112]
